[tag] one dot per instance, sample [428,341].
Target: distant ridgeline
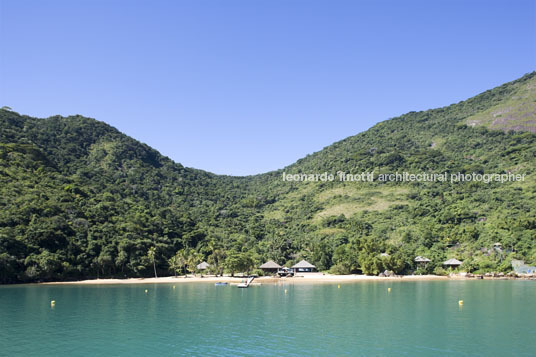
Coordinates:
[79,199]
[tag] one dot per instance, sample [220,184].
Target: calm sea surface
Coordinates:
[498,318]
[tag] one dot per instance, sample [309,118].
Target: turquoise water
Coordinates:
[416,318]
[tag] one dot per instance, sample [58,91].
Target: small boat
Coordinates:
[221,284]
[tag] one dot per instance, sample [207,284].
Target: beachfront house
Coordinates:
[270,267]
[202,266]
[303,267]
[422,261]
[452,263]
[520,267]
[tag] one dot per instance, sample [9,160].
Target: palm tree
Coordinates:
[192,261]
[152,255]
[177,262]
[216,260]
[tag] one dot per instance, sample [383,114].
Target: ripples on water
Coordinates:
[415,318]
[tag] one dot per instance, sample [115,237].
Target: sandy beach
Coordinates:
[307,278]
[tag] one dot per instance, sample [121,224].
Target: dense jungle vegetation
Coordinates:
[79,199]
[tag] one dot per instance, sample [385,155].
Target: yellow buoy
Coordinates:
[389,289]
[53,303]
[460,302]
[285,291]
[339,286]
[146,291]
[174,286]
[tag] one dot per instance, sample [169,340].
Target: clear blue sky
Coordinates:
[244,87]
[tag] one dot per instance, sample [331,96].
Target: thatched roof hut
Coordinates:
[303,267]
[270,266]
[420,259]
[452,262]
[202,266]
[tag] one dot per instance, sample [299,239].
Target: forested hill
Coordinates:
[79,199]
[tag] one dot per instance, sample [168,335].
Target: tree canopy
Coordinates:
[79,199]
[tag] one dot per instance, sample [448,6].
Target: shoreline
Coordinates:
[313,278]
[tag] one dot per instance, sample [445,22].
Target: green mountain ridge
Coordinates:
[80,199]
